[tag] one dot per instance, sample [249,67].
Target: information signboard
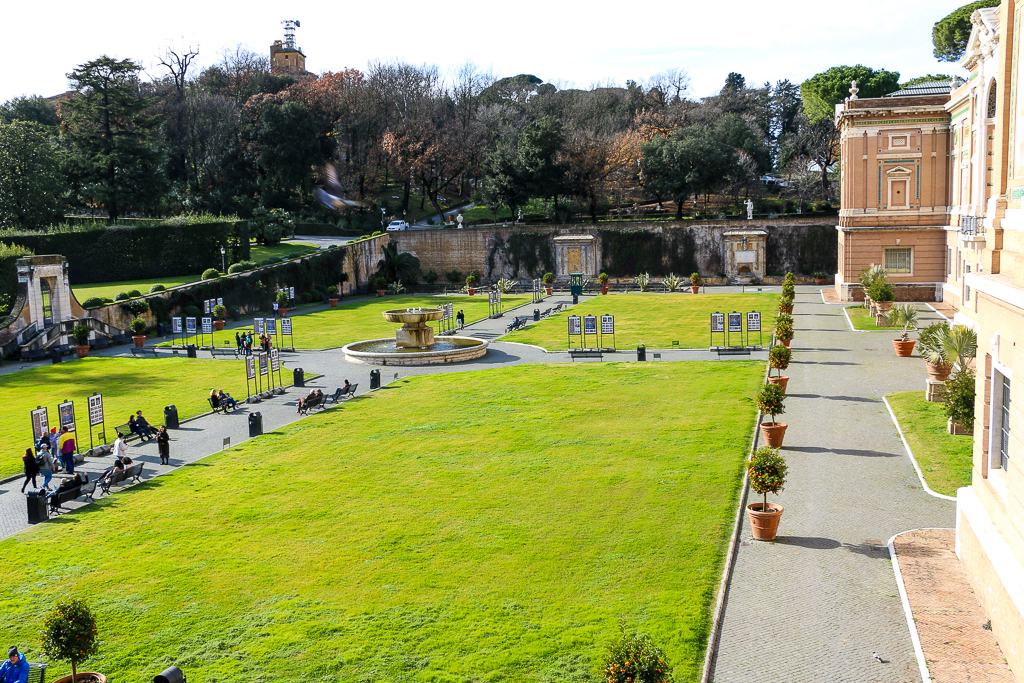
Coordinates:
[190,326]
[735,322]
[207,325]
[291,293]
[607,324]
[95,410]
[590,324]
[257,326]
[66,415]
[263,363]
[492,298]
[286,326]
[250,367]
[220,301]
[275,360]
[718,322]
[574,325]
[753,321]
[271,325]
[40,423]
[206,305]
[176,325]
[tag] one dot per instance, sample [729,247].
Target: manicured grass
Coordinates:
[127,385]
[258,252]
[944,459]
[862,320]
[655,320]
[112,289]
[489,525]
[363,319]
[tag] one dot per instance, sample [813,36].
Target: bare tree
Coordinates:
[177,62]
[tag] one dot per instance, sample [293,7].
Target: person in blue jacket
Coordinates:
[15,669]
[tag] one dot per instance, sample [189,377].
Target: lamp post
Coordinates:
[223,251]
[383,222]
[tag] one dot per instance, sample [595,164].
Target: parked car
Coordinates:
[397,225]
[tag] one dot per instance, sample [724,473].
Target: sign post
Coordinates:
[176,329]
[717,327]
[190,328]
[263,369]
[250,374]
[754,325]
[735,325]
[608,330]
[96,417]
[275,366]
[590,328]
[40,422]
[286,331]
[207,330]
[270,324]
[575,330]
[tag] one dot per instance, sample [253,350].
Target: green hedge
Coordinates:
[331,230]
[9,254]
[137,252]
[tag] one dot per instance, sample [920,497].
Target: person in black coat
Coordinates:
[31,468]
[163,445]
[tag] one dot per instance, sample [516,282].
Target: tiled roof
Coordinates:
[927,88]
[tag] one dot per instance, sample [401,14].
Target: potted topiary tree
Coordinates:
[960,402]
[771,400]
[695,282]
[786,305]
[332,295]
[778,359]
[81,335]
[549,281]
[380,284]
[69,635]
[882,294]
[220,312]
[867,277]
[282,303]
[471,281]
[905,316]
[602,279]
[767,474]
[819,277]
[784,328]
[138,327]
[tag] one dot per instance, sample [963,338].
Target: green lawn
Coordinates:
[127,385]
[944,459]
[112,289]
[863,321]
[655,320]
[481,526]
[259,252]
[362,319]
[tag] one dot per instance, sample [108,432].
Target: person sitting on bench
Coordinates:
[214,399]
[66,485]
[15,669]
[135,428]
[144,425]
[226,400]
[120,465]
[303,401]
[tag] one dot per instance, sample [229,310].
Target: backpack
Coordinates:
[40,460]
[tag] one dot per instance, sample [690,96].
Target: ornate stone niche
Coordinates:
[743,256]
[576,254]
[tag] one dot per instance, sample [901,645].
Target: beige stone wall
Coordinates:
[861,248]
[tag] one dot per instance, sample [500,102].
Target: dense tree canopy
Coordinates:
[822,92]
[32,191]
[950,34]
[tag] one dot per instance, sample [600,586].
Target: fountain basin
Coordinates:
[388,352]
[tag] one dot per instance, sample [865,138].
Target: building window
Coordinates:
[991,113]
[949,261]
[1002,414]
[899,260]
[967,290]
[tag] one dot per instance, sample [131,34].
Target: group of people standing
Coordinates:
[244,342]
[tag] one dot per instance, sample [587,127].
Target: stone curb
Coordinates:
[723,586]
[910,454]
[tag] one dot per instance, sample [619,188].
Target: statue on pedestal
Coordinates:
[750,210]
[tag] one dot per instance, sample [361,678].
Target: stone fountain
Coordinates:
[414,342]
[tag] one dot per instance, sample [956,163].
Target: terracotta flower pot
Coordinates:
[333,302]
[549,290]
[84,677]
[819,281]
[604,289]
[140,341]
[904,348]
[381,292]
[764,522]
[786,342]
[218,325]
[883,307]
[282,311]
[773,433]
[938,371]
[782,381]
[695,289]
[472,291]
[83,351]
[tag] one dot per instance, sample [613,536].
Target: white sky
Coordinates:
[567,43]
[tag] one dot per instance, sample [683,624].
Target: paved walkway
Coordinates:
[816,603]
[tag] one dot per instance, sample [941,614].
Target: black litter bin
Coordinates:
[299,377]
[255,424]
[171,674]
[191,349]
[56,357]
[171,417]
[641,352]
[536,314]
[575,299]
[375,379]
[160,329]
[37,506]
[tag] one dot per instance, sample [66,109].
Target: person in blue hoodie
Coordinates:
[15,669]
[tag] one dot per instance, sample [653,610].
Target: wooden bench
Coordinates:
[143,351]
[219,407]
[317,402]
[516,324]
[214,352]
[57,500]
[341,393]
[122,338]
[126,433]
[129,476]
[36,673]
[557,308]
[100,343]
[585,353]
[35,354]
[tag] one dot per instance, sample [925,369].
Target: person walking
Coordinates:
[67,450]
[238,342]
[163,445]
[44,459]
[120,447]
[460,318]
[54,443]
[31,468]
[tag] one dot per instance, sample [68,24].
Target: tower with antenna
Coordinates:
[286,57]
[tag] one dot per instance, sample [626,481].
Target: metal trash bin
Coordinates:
[536,314]
[255,424]
[37,506]
[191,350]
[299,377]
[160,330]
[56,357]
[641,352]
[171,674]
[575,299]
[171,416]
[374,379]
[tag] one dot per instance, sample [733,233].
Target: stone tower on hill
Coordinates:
[286,57]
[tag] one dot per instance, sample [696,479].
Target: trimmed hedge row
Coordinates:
[137,252]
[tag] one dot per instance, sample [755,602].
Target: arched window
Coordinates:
[991,112]
[44,289]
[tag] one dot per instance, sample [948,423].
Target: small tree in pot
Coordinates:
[959,405]
[695,282]
[881,292]
[282,303]
[945,348]
[138,328]
[784,328]
[69,635]
[220,312]
[771,400]
[81,336]
[767,474]
[602,279]
[786,305]
[905,316]
[867,277]
[778,359]
[471,281]
[549,281]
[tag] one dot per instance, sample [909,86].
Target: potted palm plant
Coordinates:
[778,360]
[138,327]
[69,635]
[549,281]
[944,347]
[602,279]
[220,312]
[904,316]
[471,281]
[959,405]
[81,336]
[695,282]
[767,474]
[771,400]
[784,328]
[867,277]
[282,303]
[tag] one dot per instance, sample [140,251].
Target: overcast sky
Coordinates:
[566,43]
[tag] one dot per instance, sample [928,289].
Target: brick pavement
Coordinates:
[947,615]
[816,603]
